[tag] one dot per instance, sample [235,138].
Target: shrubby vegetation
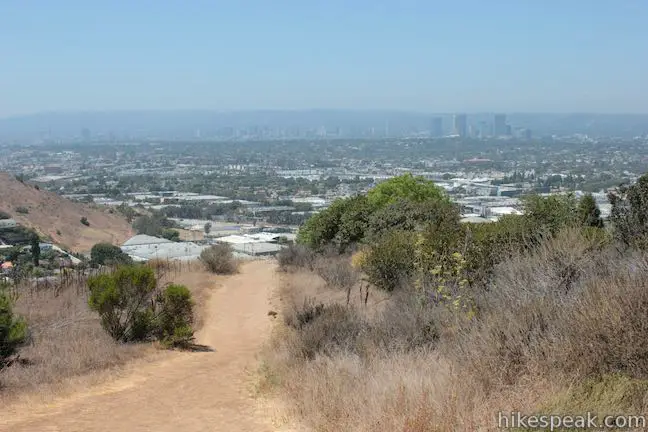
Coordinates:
[133,308]
[13,329]
[108,254]
[219,259]
[460,314]
[156,225]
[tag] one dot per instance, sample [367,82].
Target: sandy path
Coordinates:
[201,391]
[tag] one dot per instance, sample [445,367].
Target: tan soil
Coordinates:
[181,391]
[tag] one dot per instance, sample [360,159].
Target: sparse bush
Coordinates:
[326,329]
[296,255]
[84,221]
[219,259]
[630,214]
[4,215]
[22,210]
[13,329]
[336,271]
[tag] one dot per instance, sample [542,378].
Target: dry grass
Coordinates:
[219,259]
[67,341]
[573,312]
[69,348]
[50,214]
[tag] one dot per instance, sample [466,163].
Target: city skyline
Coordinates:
[503,57]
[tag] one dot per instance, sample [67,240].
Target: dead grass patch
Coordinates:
[68,345]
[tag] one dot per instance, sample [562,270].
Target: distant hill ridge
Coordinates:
[59,218]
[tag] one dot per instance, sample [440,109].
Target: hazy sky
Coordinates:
[443,56]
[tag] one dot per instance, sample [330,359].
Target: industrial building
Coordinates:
[144,248]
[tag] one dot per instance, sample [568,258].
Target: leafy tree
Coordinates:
[13,329]
[408,216]
[325,227]
[108,254]
[35,249]
[208,227]
[589,213]
[406,186]
[171,234]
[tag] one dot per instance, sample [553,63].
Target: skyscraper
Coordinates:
[436,127]
[460,124]
[499,124]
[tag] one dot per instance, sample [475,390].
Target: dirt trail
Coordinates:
[199,391]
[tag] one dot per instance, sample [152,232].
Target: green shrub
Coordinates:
[13,329]
[389,262]
[84,221]
[122,299]
[175,316]
[219,259]
[133,309]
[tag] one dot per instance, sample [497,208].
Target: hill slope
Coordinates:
[60,219]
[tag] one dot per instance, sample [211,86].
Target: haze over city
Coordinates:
[323,215]
[435,56]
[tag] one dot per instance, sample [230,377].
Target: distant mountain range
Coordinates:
[189,123]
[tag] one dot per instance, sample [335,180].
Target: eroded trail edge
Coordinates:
[197,391]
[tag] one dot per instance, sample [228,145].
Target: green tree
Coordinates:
[13,329]
[208,227]
[343,222]
[589,213]
[406,186]
[406,215]
[108,254]
[552,213]
[171,234]
[35,249]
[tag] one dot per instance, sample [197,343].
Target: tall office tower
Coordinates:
[484,129]
[85,134]
[436,127]
[527,134]
[500,125]
[460,124]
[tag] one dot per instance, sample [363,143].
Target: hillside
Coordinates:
[60,219]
